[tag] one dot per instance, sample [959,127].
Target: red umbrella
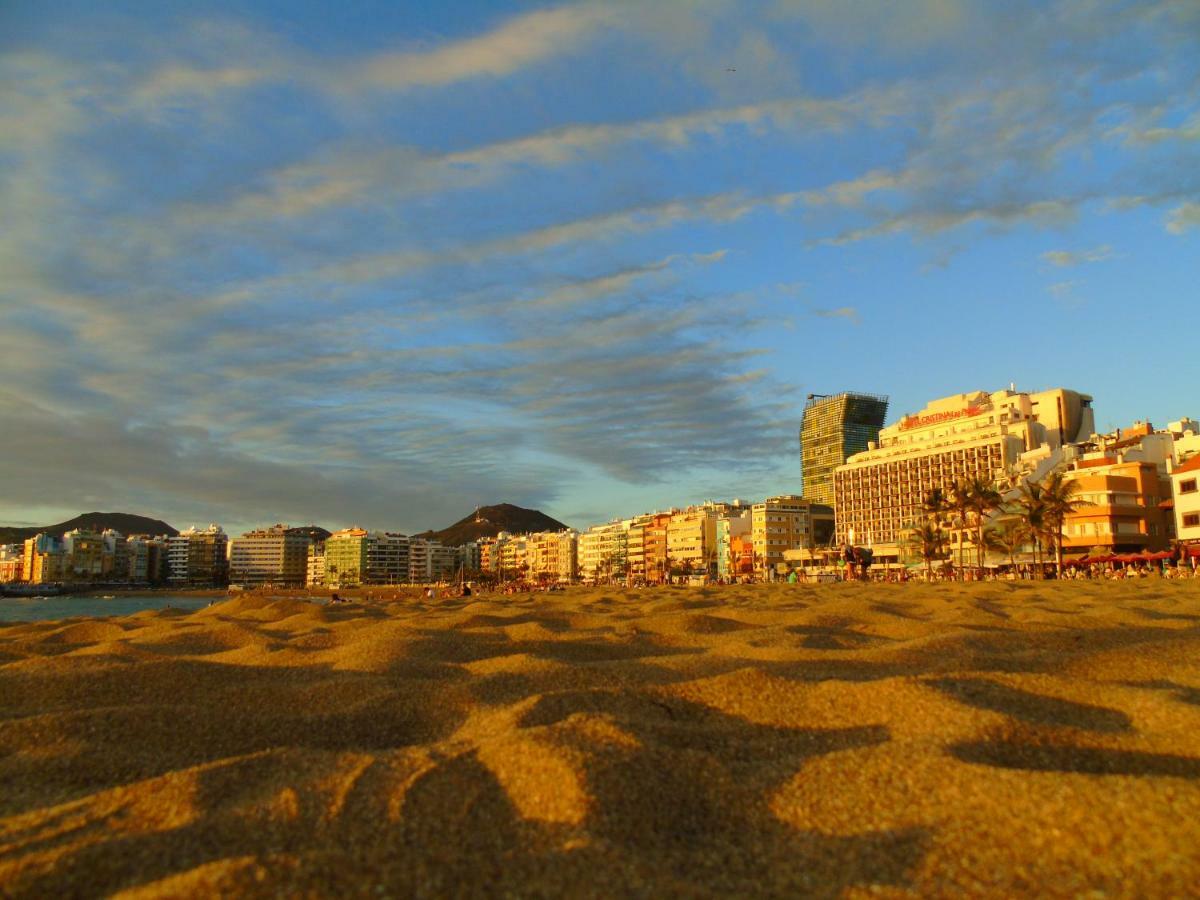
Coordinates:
[1155,557]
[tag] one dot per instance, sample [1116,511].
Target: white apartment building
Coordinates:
[274,555]
[603,551]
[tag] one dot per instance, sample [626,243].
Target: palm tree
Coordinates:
[960,503]
[1010,536]
[935,505]
[929,540]
[1058,493]
[1031,505]
[983,498]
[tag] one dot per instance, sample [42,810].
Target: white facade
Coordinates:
[1185,484]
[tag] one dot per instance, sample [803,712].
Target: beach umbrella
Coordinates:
[1160,555]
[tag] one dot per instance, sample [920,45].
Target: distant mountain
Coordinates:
[126,523]
[488,521]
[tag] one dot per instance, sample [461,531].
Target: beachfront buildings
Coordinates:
[833,428]
[879,492]
[198,557]
[355,556]
[278,555]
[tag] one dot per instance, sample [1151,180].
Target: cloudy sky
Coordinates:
[381,263]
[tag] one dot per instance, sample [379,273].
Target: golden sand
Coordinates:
[836,740]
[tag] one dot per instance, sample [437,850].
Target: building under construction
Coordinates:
[833,428]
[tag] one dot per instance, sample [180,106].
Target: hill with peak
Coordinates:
[126,523]
[488,521]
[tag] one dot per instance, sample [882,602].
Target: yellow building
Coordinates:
[692,544]
[880,492]
[552,556]
[779,524]
[346,557]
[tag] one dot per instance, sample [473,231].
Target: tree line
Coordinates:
[1036,515]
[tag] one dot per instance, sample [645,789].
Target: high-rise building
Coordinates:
[834,428]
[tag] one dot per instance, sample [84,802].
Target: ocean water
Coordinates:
[34,609]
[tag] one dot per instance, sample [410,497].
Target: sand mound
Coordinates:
[1001,739]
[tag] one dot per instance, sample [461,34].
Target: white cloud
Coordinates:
[1184,217]
[1069,258]
[516,44]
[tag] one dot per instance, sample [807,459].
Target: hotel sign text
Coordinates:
[935,418]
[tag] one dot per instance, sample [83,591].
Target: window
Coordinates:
[1188,486]
[1191,520]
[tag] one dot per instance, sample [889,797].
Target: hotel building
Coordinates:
[832,429]
[277,555]
[879,493]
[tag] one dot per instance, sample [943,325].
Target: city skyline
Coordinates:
[382,267]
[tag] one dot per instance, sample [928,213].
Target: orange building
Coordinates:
[1120,509]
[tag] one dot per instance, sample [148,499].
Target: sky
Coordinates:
[382,263]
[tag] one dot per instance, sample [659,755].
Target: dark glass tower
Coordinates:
[833,428]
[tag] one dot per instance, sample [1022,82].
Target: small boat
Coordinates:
[109,597]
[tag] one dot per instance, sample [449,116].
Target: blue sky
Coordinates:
[382,263]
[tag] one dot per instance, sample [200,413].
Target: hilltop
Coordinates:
[488,521]
[126,523]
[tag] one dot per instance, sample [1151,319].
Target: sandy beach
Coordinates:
[838,740]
